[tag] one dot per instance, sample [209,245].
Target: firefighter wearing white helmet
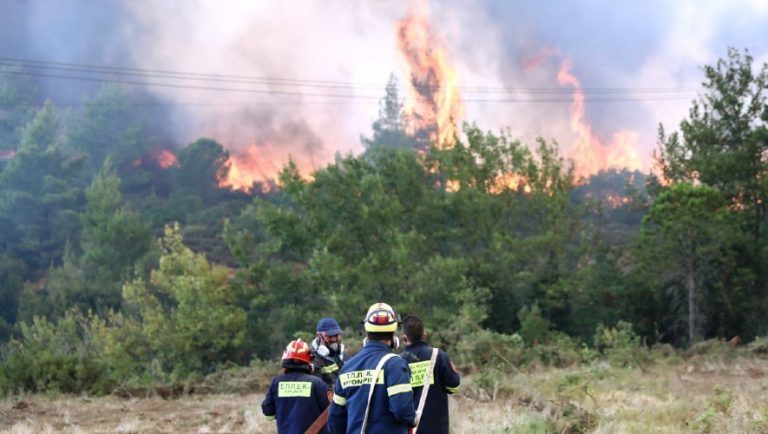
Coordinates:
[373,390]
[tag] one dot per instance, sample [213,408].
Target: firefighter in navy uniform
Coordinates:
[327,351]
[296,398]
[445,380]
[389,408]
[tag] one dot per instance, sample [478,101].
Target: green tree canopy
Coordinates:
[686,248]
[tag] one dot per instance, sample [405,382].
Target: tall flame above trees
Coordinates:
[434,107]
[590,154]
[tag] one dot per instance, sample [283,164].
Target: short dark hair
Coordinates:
[380,336]
[413,328]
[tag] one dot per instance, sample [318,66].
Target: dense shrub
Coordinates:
[621,345]
[58,357]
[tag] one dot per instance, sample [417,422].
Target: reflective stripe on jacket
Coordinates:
[295,399]
[445,380]
[391,409]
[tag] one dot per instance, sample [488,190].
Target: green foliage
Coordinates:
[52,356]
[560,350]
[203,164]
[621,345]
[533,327]
[509,259]
[485,348]
[722,145]
[534,425]
[16,99]
[718,408]
[389,131]
[38,196]
[187,310]
[108,126]
[115,240]
[11,283]
[685,246]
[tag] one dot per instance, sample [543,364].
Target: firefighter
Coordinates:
[296,398]
[444,378]
[327,351]
[373,391]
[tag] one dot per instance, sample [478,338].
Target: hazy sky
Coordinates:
[497,45]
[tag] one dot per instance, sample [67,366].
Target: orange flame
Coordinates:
[248,168]
[434,104]
[500,184]
[254,166]
[615,200]
[589,153]
[165,158]
[510,181]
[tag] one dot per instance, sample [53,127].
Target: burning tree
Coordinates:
[434,107]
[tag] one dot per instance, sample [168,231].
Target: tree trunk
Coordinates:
[690,283]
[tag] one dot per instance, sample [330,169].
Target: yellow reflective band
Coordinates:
[271,417]
[339,400]
[358,378]
[399,388]
[380,328]
[419,373]
[453,389]
[329,369]
[290,389]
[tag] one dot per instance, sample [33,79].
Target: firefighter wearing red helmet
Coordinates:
[296,398]
[373,391]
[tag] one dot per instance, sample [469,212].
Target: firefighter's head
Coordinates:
[413,330]
[380,324]
[297,356]
[329,335]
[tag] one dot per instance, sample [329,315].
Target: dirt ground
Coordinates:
[190,414]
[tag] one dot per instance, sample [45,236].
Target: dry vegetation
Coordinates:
[716,389]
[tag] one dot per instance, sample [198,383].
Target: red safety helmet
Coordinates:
[297,350]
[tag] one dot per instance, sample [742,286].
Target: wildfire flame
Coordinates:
[248,168]
[434,104]
[165,158]
[256,166]
[500,184]
[589,153]
[510,181]
[615,200]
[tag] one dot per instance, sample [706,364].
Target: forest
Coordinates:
[124,262]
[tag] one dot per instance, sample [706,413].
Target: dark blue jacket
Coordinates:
[391,410]
[445,380]
[295,399]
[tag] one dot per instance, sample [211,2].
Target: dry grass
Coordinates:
[220,413]
[715,394]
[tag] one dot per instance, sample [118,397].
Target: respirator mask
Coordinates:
[325,350]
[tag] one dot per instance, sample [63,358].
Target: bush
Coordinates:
[489,349]
[533,327]
[486,349]
[559,350]
[718,409]
[621,345]
[57,357]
